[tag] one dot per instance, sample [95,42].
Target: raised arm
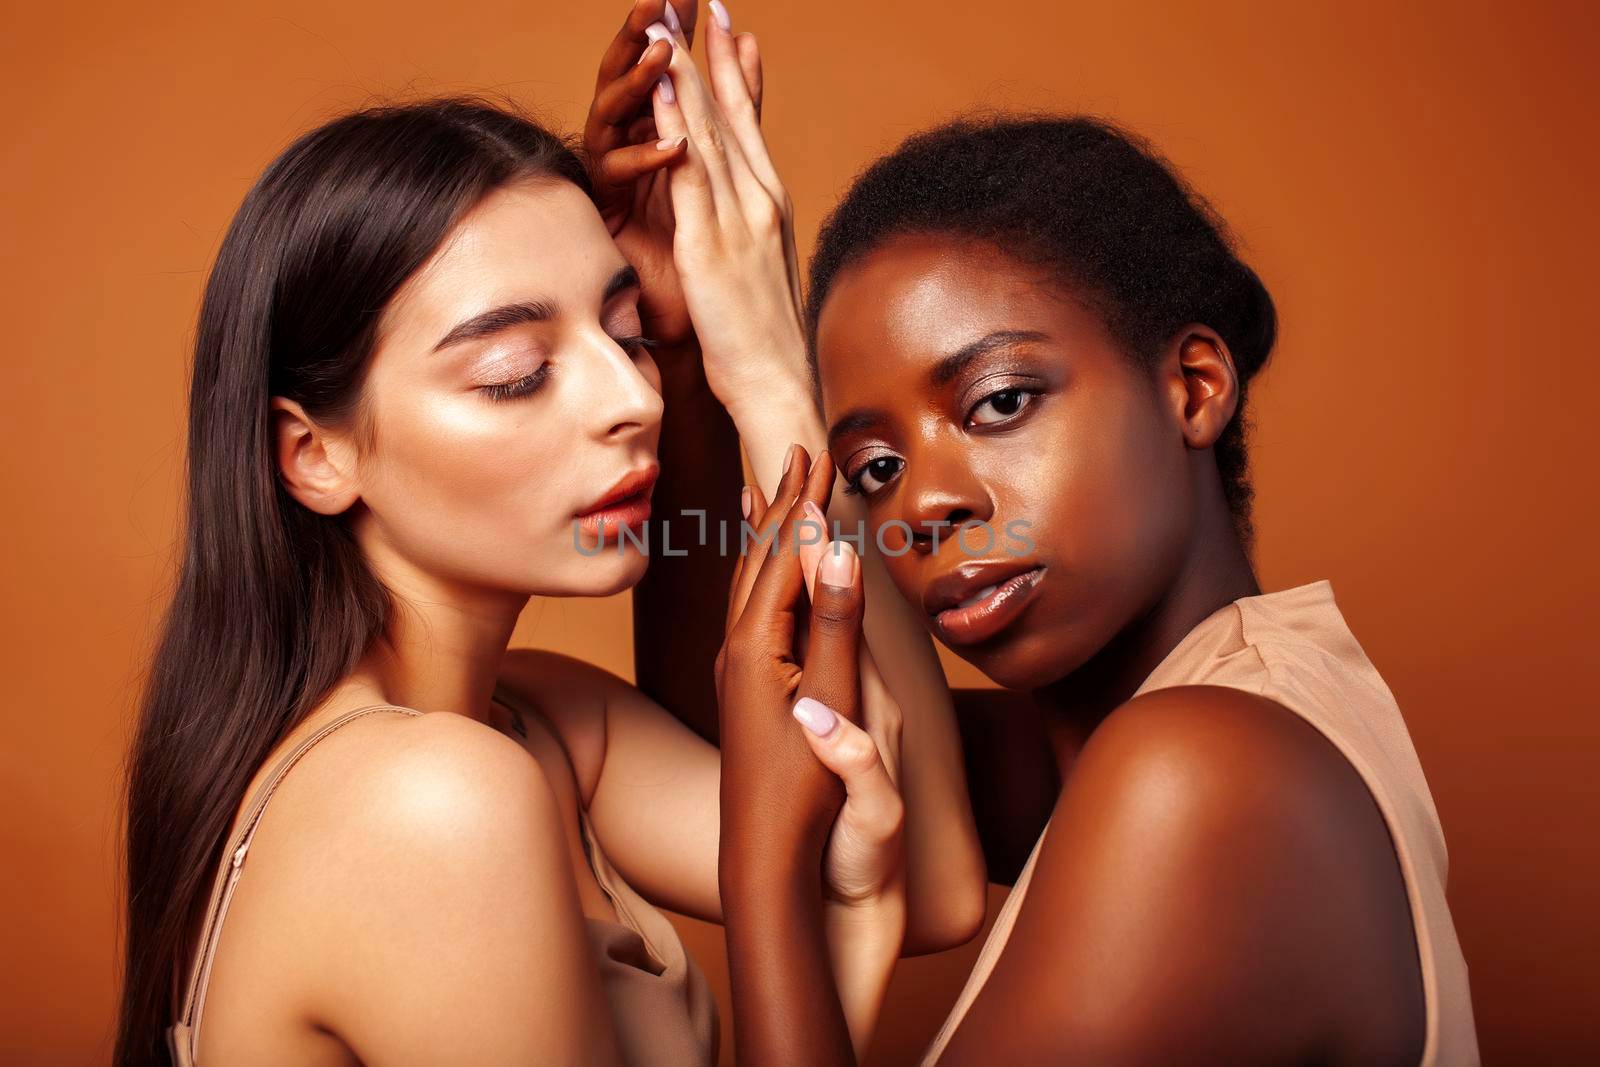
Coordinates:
[698,491]
[734,250]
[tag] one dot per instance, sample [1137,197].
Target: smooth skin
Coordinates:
[1216,884]
[446,865]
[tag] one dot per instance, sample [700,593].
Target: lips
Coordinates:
[976,601]
[625,505]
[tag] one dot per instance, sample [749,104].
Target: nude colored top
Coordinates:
[1294,647]
[662,1008]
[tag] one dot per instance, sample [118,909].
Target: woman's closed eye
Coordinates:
[526,385]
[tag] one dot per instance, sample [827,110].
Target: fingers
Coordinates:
[622,166]
[727,58]
[625,48]
[832,671]
[750,64]
[848,751]
[618,102]
[753,555]
[777,587]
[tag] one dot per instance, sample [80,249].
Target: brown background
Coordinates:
[1414,187]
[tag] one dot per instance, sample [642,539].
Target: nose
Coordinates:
[942,494]
[626,398]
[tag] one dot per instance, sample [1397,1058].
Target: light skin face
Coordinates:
[509,393]
[963,386]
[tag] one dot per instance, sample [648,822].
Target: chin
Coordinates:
[1025,659]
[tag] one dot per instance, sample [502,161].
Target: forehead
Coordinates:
[915,299]
[538,238]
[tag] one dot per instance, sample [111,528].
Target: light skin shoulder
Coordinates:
[1216,884]
[433,850]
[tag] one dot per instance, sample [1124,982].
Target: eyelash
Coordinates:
[852,484]
[529,384]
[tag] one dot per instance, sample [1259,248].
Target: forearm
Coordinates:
[864,943]
[786,1006]
[945,885]
[678,606]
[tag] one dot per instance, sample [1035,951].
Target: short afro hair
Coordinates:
[1098,207]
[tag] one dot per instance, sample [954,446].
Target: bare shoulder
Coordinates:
[395,794]
[423,865]
[1216,875]
[573,695]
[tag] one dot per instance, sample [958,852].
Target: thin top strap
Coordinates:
[188,1027]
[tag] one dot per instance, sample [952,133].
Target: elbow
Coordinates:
[946,917]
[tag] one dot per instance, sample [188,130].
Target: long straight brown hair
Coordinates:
[274,604]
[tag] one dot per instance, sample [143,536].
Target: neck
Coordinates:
[444,644]
[1213,573]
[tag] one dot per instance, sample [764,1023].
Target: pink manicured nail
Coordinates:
[838,566]
[670,17]
[719,11]
[744,501]
[815,716]
[664,83]
[667,144]
[657,32]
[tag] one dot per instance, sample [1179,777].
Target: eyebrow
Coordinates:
[947,368]
[942,373]
[523,312]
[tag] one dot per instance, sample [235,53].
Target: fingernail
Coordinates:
[744,501]
[657,32]
[815,716]
[719,11]
[670,17]
[664,83]
[838,567]
[814,513]
[667,144]
[788,457]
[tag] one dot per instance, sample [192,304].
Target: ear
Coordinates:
[316,467]
[1201,383]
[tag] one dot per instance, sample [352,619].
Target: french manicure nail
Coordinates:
[667,144]
[670,17]
[838,566]
[664,83]
[788,457]
[815,716]
[657,32]
[744,501]
[719,11]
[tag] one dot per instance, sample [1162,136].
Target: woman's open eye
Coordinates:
[998,407]
[874,475]
[524,386]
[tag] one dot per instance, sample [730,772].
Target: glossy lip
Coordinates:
[1016,582]
[634,483]
[625,505]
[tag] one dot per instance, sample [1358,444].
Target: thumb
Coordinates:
[832,673]
[851,754]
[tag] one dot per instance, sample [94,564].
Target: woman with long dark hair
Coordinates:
[1033,324]
[423,391]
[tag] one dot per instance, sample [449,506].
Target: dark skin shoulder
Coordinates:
[1217,885]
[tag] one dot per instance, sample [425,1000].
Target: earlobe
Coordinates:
[307,460]
[1210,385]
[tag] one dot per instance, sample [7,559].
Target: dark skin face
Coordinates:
[1172,916]
[963,386]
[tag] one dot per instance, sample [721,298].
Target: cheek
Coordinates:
[462,486]
[1103,485]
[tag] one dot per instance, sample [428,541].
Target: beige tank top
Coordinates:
[1294,647]
[662,1008]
